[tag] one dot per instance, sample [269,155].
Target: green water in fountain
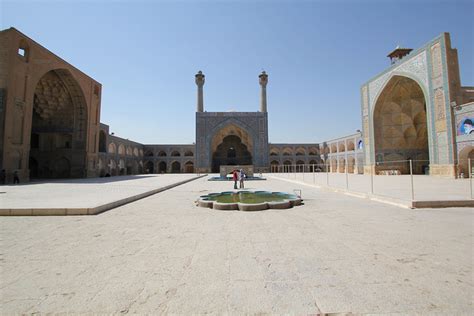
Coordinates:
[250,197]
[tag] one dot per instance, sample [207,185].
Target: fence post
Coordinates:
[470,176]
[411,181]
[313,175]
[372,179]
[347,177]
[303,171]
[327,173]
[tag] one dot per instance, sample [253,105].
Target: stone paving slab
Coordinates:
[82,196]
[164,255]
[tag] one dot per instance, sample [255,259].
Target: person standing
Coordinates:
[235,177]
[16,179]
[241,178]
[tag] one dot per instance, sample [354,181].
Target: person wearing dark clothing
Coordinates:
[16,179]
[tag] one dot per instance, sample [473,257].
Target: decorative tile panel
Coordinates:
[415,66]
[365,101]
[440,110]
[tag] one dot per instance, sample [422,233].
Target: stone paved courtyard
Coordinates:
[162,254]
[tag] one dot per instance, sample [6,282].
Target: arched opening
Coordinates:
[400,130]
[175,154]
[121,168]
[350,165]
[189,167]
[121,149]
[149,153]
[102,142]
[342,147]
[342,165]
[287,166]
[333,165]
[300,166]
[313,166]
[149,167]
[274,165]
[175,167]
[231,145]
[300,152]
[129,168]
[113,167]
[112,148]
[162,154]
[273,152]
[463,162]
[188,153]
[162,167]
[230,152]
[350,146]
[287,152]
[58,127]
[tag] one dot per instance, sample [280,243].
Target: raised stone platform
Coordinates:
[430,192]
[225,170]
[83,196]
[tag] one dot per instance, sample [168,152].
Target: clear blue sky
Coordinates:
[317,55]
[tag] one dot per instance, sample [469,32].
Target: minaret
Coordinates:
[263,91]
[200,99]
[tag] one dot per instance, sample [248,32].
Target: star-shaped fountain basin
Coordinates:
[249,200]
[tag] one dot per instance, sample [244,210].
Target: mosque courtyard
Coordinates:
[163,254]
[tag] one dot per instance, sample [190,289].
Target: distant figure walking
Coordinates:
[235,177]
[241,178]
[3,176]
[16,179]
